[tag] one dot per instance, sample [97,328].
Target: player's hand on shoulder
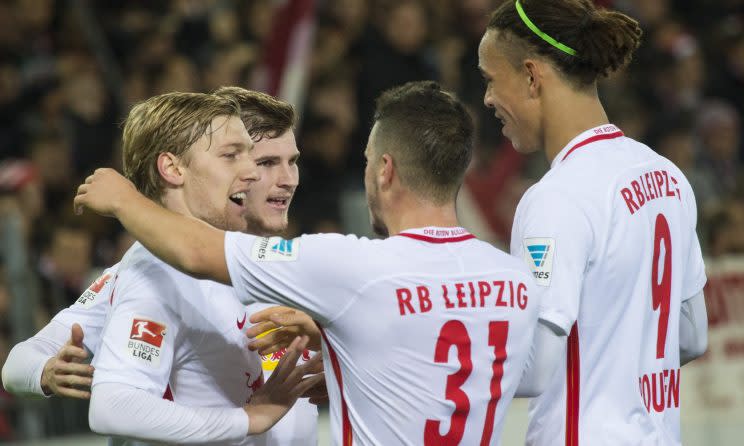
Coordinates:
[104,192]
[276,327]
[64,374]
[288,382]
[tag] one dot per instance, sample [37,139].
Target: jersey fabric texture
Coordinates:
[25,364]
[609,233]
[426,333]
[176,337]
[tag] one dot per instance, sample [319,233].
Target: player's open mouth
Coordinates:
[238,198]
[500,118]
[279,202]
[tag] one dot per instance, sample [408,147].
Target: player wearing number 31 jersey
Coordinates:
[426,332]
[609,231]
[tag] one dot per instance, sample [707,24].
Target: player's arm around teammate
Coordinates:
[119,411]
[188,244]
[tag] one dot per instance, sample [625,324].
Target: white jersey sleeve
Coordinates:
[695,278]
[25,364]
[122,410]
[554,237]
[285,272]
[138,342]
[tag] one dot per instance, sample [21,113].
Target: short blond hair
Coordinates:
[167,123]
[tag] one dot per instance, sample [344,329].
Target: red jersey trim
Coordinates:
[425,238]
[573,377]
[168,394]
[592,139]
[346,432]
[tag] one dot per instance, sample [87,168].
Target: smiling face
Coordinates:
[219,171]
[508,94]
[267,202]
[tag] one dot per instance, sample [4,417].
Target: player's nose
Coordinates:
[487,99]
[289,176]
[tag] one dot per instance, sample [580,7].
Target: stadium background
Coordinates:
[70,70]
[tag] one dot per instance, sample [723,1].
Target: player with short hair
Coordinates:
[193,381]
[46,363]
[270,123]
[609,231]
[50,362]
[426,332]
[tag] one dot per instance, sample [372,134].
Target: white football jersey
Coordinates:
[609,232]
[177,337]
[426,333]
[298,427]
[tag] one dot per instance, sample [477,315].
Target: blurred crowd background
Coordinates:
[71,69]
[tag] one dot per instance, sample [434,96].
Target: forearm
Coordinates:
[548,347]
[186,243]
[693,329]
[24,367]
[125,411]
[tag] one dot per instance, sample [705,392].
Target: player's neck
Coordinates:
[409,214]
[174,202]
[568,114]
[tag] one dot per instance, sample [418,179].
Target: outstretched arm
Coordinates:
[186,243]
[124,410]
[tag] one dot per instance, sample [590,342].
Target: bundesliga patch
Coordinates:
[538,253]
[275,249]
[86,299]
[145,340]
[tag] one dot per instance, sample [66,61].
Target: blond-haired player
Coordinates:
[426,332]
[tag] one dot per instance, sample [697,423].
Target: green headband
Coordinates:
[540,34]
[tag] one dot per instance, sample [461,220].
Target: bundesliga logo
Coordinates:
[90,294]
[145,340]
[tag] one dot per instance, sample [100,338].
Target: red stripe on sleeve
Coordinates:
[572,388]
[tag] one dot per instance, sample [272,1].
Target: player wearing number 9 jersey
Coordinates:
[426,332]
[609,231]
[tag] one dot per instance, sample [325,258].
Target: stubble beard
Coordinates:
[255,225]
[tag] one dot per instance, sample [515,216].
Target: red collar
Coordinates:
[438,235]
[607,131]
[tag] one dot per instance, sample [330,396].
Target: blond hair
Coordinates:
[167,123]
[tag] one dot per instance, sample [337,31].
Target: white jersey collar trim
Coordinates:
[605,131]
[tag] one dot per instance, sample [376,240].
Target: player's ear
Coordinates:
[169,168]
[386,172]
[533,76]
